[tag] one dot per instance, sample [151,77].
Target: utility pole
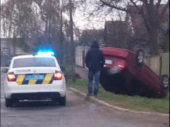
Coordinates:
[61,32]
[49,24]
[72,40]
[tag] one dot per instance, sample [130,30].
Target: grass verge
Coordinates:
[134,102]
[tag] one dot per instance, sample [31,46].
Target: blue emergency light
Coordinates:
[44,53]
[47,53]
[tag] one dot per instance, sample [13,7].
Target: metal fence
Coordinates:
[80,54]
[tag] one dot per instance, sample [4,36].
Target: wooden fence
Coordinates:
[154,63]
[165,64]
[159,64]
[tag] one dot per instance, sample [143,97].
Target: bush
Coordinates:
[68,73]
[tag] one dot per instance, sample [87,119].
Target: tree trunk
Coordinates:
[61,33]
[72,41]
[153,42]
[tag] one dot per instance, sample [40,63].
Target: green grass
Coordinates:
[135,102]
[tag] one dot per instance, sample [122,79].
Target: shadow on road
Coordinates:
[36,104]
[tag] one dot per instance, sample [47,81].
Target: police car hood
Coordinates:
[39,70]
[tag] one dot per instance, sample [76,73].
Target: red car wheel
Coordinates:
[140,55]
[165,82]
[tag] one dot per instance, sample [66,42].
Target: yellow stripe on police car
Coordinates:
[20,79]
[32,82]
[47,79]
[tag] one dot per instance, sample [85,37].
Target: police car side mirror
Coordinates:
[140,57]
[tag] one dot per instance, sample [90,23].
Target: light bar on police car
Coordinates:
[48,53]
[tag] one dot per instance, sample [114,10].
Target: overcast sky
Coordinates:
[83,22]
[97,22]
[80,17]
[2,1]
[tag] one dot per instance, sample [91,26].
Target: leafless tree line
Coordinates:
[37,21]
[152,13]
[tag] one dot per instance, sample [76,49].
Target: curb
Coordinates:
[118,108]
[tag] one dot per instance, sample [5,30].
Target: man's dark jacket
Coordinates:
[94,58]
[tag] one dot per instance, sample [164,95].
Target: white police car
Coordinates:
[35,77]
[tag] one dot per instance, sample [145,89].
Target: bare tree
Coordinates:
[37,21]
[151,11]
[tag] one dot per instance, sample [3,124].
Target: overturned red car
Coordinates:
[126,73]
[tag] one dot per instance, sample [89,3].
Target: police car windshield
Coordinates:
[34,62]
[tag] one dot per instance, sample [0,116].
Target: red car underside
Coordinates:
[129,79]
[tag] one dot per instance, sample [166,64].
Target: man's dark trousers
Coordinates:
[92,75]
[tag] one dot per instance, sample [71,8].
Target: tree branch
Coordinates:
[114,6]
[164,10]
[92,13]
[158,6]
[137,7]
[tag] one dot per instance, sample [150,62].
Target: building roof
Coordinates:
[115,27]
[90,35]
[92,32]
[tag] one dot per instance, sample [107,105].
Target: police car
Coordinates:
[35,77]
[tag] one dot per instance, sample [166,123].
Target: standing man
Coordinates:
[94,61]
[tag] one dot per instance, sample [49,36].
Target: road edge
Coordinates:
[118,108]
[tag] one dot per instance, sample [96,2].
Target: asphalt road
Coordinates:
[77,113]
